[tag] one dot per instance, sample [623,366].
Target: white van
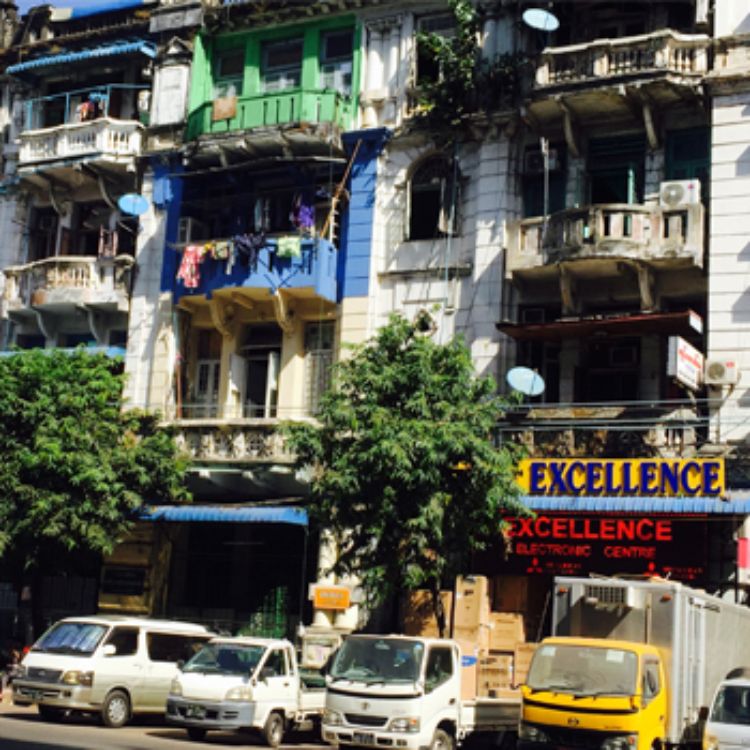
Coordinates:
[728,723]
[111,665]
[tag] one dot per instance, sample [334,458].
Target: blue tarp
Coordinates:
[679,505]
[65,58]
[227,513]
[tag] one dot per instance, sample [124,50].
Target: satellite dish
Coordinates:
[526,381]
[133,204]
[540,19]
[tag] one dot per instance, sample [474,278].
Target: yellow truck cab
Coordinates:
[610,692]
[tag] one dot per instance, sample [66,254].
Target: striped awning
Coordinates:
[734,506]
[67,58]
[227,514]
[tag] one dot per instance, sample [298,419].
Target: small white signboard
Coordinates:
[685,363]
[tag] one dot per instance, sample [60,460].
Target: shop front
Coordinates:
[672,518]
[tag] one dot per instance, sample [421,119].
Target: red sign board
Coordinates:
[565,544]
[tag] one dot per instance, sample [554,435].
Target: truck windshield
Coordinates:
[79,638]
[583,670]
[732,705]
[226,658]
[378,660]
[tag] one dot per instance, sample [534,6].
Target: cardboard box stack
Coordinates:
[495,655]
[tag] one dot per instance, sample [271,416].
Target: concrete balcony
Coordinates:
[664,237]
[104,139]
[311,275]
[66,283]
[637,430]
[645,56]
[231,441]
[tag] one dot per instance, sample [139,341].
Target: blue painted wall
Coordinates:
[168,197]
[356,230]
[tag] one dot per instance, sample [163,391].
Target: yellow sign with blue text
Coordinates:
[610,477]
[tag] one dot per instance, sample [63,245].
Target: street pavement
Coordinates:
[22,729]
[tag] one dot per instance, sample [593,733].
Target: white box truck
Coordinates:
[404,692]
[632,665]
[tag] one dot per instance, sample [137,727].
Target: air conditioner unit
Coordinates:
[721,372]
[533,315]
[190,230]
[679,193]
[533,162]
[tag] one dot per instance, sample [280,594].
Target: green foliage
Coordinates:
[467,82]
[406,476]
[75,468]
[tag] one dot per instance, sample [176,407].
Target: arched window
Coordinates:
[433,199]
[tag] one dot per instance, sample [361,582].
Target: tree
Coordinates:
[76,468]
[406,476]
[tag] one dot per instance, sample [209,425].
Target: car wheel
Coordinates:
[51,713]
[197,734]
[273,731]
[441,740]
[116,709]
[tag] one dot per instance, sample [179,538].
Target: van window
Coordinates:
[79,638]
[732,705]
[125,640]
[170,647]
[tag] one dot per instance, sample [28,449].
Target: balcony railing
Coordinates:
[68,280]
[314,269]
[270,109]
[666,429]
[660,52]
[231,440]
[635,232]
[105,137]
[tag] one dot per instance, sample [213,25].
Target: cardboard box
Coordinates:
[495,672]
[507,630]
[418,616]
[510,593]
[472,607]
[470,655]
[522,661]
[478,637]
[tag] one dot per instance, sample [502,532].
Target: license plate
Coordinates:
[364,738]
[195,712]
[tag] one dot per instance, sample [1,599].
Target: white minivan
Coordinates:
[114,666]
[728,723]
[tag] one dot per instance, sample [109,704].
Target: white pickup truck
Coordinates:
[404,693]
[244,683]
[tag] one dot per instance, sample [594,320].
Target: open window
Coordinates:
[228,71]
[428,68]
[336,61]
[616,170]
[259,356]
[281,65]
[434,198]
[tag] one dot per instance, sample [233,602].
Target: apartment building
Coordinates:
[583,218]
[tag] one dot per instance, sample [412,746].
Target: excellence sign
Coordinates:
[651,477]
[563,544]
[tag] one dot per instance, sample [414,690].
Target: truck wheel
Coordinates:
[51,713]
[116,709]
[197,734]
[273,731]
[441,740]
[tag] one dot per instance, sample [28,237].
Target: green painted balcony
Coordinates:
[290,107]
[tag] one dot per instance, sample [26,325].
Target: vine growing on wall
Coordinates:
[460,80]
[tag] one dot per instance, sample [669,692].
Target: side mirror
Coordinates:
[180,664]
[703,713]
[109,650]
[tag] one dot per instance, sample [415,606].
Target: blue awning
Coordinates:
[66,58]
[109,351]
[227,514]
[734,506]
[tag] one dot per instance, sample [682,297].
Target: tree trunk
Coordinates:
[437,607]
